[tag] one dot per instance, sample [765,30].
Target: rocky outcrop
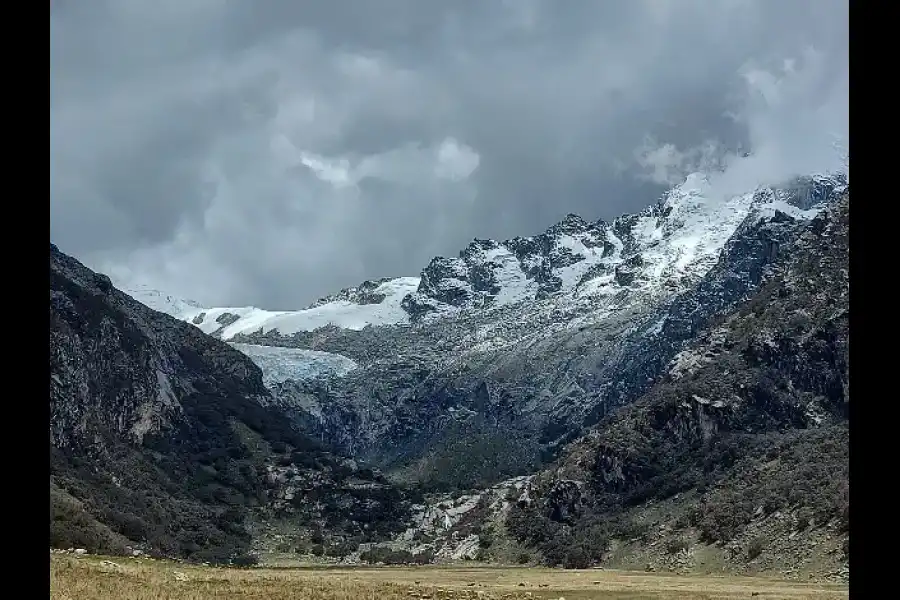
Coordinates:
[564,501]
[365,293]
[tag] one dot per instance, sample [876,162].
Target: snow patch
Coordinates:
[160,301]
[340,313]
[514,285]
[571,275]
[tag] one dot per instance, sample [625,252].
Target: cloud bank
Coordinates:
[237,153]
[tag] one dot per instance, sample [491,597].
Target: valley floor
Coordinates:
[92,577]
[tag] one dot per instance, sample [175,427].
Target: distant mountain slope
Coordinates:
[739,454]
[165,438]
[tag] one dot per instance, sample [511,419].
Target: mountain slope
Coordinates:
[436,400]
[539,336]
[165,438]
[738,456]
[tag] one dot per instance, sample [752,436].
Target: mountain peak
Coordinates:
[571,223]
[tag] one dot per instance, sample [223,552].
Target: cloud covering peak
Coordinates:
[239,153]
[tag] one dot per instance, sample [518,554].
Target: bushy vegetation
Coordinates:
[676,545]
[471,456]
[244,560]
[755,548]
[156,509]
[71,526]
[341,549]
[188,492]
[561,544]
[804,471]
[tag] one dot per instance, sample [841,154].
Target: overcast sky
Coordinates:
[270,152]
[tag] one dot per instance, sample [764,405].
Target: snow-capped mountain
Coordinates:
[711,327]
[523,343]
[577,262]
[574,263]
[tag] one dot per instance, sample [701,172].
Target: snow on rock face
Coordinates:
[281,364]
[370,304]
[665,247]
[671,244]
[684,234]
[493,274]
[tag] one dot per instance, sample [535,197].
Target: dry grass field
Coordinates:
[99,578]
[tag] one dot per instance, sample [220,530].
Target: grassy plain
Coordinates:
[106,578]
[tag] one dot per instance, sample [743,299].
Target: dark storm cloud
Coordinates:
[269,153]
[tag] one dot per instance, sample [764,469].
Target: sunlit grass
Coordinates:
[100,578]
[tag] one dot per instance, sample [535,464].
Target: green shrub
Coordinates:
[577,557]
[486,539]
[341,549]
[755,548]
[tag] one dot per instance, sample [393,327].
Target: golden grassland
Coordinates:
[105,578]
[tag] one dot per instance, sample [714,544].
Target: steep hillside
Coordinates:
[166,439]
[738,456]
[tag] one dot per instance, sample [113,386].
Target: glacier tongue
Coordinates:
[281,364]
